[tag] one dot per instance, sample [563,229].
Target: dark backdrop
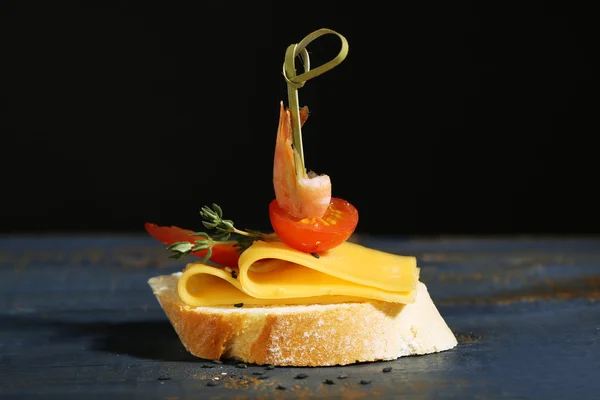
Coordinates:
[445,118]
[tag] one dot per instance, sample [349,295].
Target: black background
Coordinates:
[445,118]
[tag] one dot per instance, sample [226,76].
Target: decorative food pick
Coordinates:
[295,82]
[302,295]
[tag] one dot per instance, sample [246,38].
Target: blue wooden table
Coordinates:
[78,320]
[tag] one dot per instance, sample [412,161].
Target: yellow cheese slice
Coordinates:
[273,273]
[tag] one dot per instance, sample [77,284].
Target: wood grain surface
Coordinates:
[78,320]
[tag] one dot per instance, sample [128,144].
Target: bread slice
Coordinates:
[306,335]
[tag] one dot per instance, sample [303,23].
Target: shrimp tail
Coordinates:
[301,197]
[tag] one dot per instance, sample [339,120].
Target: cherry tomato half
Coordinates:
[223,254]
[315,235]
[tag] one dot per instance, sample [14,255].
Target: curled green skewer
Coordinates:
[295,82]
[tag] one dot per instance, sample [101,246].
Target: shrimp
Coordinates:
[302,197]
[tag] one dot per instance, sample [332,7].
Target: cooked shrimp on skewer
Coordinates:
[305,196]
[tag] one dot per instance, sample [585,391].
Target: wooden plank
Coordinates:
[79,320]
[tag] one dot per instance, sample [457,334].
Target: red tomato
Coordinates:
[223,254]
[318,234]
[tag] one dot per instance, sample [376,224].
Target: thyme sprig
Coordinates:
[222,231]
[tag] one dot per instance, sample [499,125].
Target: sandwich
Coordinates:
[304,294]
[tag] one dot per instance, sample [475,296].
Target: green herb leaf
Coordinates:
[218,210]
[208,255]
[203,234]
[182,247]
[225,237]
[203,245]
[209,225]
[227,224]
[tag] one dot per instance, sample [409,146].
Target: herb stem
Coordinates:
[243,233]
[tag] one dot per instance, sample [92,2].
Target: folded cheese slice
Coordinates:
[273,273]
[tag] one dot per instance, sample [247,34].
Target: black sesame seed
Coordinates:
[281,387]
[315,255]
[257,373]
[242,365]
[343,376]
[234,275]
[238,305]
[207,366]
[270,367]
[163,378]
[328,382]
[301,376]
[262,377]
[364,382]
[211,383]
[387,369]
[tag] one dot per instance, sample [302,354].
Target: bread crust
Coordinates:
[306,335]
